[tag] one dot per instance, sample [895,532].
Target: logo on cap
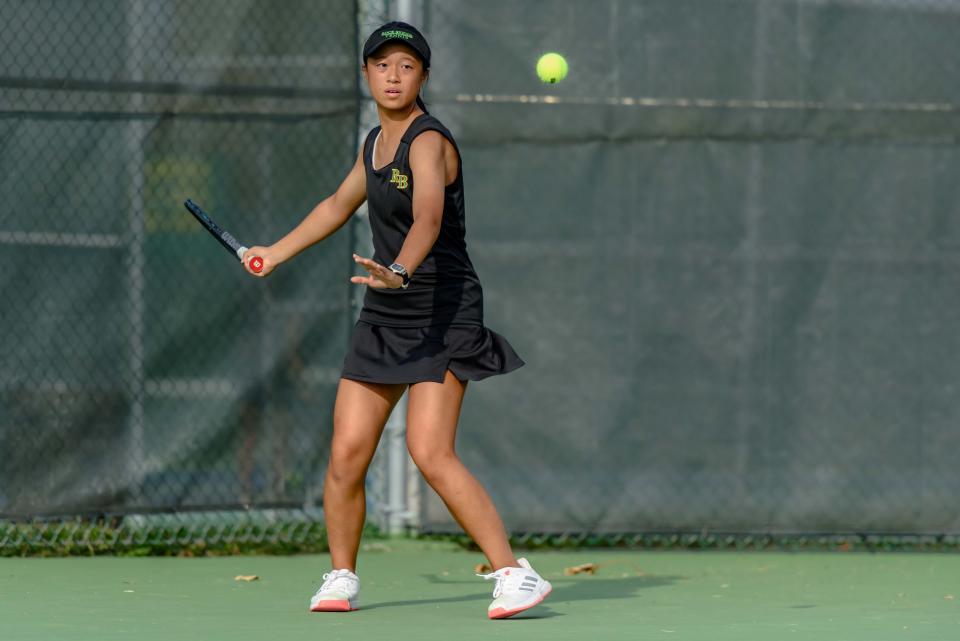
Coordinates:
[396,34]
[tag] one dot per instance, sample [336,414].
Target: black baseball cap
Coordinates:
[398,32]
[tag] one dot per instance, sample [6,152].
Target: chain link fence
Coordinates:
[725,245]
[145,374]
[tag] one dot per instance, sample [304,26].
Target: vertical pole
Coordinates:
[266,419]
[135,139]
[394,498]
[399,464]
[369,14]
[747,417]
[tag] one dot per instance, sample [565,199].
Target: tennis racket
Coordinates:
[229,242]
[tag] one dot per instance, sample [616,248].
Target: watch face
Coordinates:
[401,271]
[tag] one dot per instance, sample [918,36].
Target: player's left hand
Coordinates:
[378,276]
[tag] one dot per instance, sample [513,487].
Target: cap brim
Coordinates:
[373,49]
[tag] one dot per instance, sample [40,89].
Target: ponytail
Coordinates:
[421,104]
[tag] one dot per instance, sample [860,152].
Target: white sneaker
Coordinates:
[517,589]
[340,592]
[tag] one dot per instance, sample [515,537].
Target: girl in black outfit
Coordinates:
[421,327]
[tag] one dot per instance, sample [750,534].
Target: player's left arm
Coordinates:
[429,182]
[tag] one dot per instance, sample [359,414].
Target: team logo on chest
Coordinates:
[402,181]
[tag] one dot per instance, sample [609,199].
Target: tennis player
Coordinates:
[421,327]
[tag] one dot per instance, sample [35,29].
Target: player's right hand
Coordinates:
[270,261]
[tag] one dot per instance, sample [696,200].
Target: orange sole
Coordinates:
[500,613]
[332,606]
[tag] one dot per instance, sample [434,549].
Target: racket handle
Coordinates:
[256,263]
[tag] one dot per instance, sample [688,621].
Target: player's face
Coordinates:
[395,75]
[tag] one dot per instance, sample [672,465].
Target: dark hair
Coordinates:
[426,70]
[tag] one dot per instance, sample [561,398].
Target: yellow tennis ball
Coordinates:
[552,68]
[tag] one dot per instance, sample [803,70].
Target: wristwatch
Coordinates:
[399,269]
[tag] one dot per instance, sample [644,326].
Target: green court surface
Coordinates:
[427,590]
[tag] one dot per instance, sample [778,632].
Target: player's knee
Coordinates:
[344,476]
[432,461]
[346,467]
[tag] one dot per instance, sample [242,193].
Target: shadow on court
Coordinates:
[564,589]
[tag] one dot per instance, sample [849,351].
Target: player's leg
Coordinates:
[432,415]
[359,415]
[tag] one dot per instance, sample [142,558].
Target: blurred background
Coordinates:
[726,245]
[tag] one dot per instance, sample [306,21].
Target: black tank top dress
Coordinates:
[416,334]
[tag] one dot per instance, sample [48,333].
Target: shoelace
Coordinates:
[331,578]
[503,578]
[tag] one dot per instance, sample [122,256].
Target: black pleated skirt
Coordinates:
[392,355]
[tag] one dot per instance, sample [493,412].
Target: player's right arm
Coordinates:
[326,218]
